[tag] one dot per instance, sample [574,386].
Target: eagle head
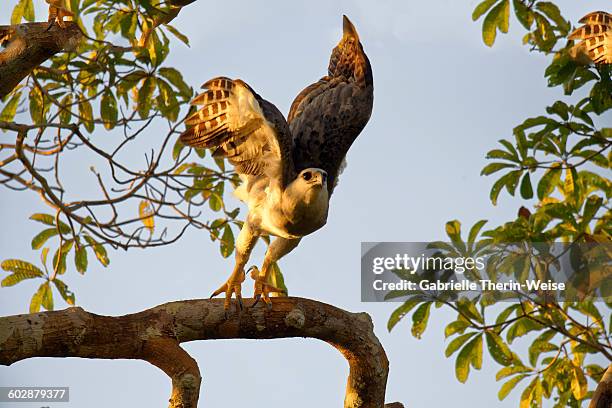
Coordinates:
[306,198]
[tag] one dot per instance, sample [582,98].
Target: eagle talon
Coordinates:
[231,287]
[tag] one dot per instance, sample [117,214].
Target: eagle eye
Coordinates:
[307,175]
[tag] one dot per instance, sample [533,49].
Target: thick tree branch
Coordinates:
[154,335]
[602,397]
[29,45]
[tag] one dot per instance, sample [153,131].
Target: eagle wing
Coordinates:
[327,116]
[242,126]
[594,38]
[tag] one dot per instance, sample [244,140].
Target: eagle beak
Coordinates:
[348,28]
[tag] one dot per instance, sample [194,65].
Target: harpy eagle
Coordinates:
[288,168]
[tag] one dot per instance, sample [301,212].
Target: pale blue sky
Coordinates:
[442,99]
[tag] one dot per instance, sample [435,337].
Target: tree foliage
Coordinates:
[103,107]
[561,159]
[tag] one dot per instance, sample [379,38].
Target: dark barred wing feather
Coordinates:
[240,125]
[595,37]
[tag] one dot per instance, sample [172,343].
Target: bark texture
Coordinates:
[29,45]
[154,335]
[602,397]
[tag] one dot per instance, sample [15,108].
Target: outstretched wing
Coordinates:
[594,38]
[327,116]
[242,126]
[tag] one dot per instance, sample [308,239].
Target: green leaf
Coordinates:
[538,347]
[80,259]
[510,370]
[48,219]
[552,11]
[509,180]
[176,79]
[495,167]
[176,150]
[18,12]
[10,109]
[215,202]
[37,112]
[65,293]
[503,20]
[549,181]
[145,97]
[402,311]
[527,393]
[509,386]
[153,48]
[128,24]
[66,109]
[17,277]
[468,355]
[18,266]
[520,328]
[467,308]
[99,250]
[559,108]
[453,230]
[456,343]
[593,204]
[108,110]
[166,101]
[46,298]
[476,353]
[523,14]
[227,242]
[458,326]
[146,214]
[86,114]
[475,230]
[182,37]
[505,314]
[498,349]
[492,21]
[60,264]
[482,8]
[37,298]
[28,11]
[419,319]
[526,189]
[39,240]
[579,383]
[277,279]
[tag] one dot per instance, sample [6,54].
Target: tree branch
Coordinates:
[154,335]
[29,45]
[602,397]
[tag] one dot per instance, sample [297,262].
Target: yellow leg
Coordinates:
[279,248]
[244,245]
